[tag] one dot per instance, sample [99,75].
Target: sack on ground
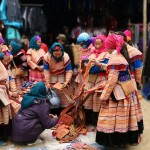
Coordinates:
[53,98]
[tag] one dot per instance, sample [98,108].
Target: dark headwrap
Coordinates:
[33,42]
[37,91]
[56,46]
[15,47]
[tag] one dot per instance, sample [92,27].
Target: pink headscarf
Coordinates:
[128,34]
[102,48]
[101,37]
[114,41]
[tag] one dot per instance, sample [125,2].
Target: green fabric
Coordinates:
[13,33]
[15,47]
[2,55]
[37,91]
[33,43]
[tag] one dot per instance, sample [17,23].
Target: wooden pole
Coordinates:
[144,36]
[144,30]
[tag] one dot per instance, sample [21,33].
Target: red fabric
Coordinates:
[136,57]
[117,67]
[44,47]
[23,51]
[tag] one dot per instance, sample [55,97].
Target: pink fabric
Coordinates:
[57,48]
[6,53]
[102,48]
[36,75]
[128,33]
[101,37]
[37,38]
[114,42]
[1,40]
[86,52]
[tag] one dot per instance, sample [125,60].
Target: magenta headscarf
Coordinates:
[128,34]
[37,37]
[114,41]
[1,40]
[93,40]
[102,48]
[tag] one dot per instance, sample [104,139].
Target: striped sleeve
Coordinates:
[110,84]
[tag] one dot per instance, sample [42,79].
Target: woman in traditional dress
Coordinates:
[5,113]
[7,56]
[35,59]
[86,48]
[58,69]
[96,78]
[33,117]
[19,61]
[136,70]
[117,122]
[135,56]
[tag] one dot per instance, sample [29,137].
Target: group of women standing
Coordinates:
[113,59]
[117,114]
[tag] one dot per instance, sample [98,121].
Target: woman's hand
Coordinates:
[15,94]
[40,68]
[93,62]
[64,84]
[53,116]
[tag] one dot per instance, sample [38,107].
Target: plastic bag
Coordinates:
[53,98]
